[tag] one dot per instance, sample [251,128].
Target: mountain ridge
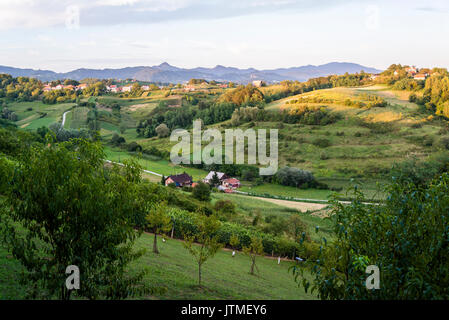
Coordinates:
[165,72]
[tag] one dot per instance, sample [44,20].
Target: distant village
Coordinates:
[412,72]
[219,180]
[128,87]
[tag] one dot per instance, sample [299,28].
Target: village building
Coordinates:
[258,83]
[420,76]
[231,183]
[82,86]
[411,70]
[126,89]
[221,176]
[180,180]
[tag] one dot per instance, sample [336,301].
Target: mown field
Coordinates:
[174,268]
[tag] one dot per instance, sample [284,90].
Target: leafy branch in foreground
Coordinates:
[64,207]
[407,238]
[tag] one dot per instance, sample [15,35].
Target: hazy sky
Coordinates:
[62,35]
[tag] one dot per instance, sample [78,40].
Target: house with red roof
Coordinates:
[180,180]
[231,183]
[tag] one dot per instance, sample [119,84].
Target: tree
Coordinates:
[254,249]
[158,221]
[215,181]
[162,130]
[406,237]
[295,226]
[201,192]
[208,242]
[65,208]
[117,140]
[234,241]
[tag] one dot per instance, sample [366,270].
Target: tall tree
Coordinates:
[208,241]
[158,221]
[253,250]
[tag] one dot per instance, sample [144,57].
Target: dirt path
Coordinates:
[301,206]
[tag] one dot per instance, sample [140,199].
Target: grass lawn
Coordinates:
[223,277]
[175,269]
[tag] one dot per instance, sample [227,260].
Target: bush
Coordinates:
[201,192]
[406,237]
[184,223]
[321,142]
[134,147]
[294,177]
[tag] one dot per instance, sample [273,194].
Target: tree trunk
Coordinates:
[199,275]
[252,265]
[155,250]
[172,230]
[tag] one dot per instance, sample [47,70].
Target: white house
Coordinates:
[221,176]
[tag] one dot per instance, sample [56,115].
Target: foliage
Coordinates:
[254,249]
[205,236]
[201,191]
[67,209]
[407,238]
[158,221]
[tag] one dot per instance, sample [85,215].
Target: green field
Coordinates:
[33,115]
[224,277]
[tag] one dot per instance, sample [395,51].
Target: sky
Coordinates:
[62,35]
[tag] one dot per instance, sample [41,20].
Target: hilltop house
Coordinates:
[258,83]
[82,86]
[420,76]
[411,70]
[180,180]
[221,176]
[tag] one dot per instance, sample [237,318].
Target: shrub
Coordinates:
[201,192]
[321,142]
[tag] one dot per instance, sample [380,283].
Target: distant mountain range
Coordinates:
[166,73]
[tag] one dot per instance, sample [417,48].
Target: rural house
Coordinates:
[231,183]
[180,180]
[258,83]
[221,176]
[420,77]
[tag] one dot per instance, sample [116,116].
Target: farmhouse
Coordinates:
[180,180]
[126,89]
[82,86]
[411,70]
[258,83]
[113,88]
[221,176]
[231,183]
[420,76]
